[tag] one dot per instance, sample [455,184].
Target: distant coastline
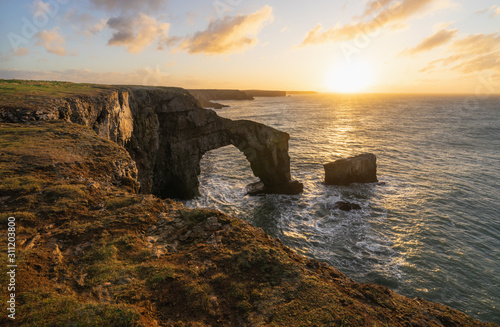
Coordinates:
[207,97]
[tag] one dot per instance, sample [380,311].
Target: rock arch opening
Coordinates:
[225,173]
[172,133]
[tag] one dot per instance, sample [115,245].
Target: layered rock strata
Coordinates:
[166,132]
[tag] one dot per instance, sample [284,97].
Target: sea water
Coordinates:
[431,229]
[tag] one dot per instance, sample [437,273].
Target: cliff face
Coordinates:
[167,132]
[93,252]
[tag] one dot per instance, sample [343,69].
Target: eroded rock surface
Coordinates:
[167,132]
[358,169]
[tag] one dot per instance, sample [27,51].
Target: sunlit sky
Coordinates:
[410,46]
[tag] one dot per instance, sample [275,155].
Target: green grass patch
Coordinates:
[54,310]
[102,265]
[21,185]
[65,191]
[158,274]
[120,202]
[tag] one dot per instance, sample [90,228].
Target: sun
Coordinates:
[350,78]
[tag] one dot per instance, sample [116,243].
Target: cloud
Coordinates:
[494,10]
[471,54]
[84,23]
[435,40]
[229,34]
[129,6]
[52,41]
[374,6]
[39,8]
[19,52]
[377,14]
[136,33]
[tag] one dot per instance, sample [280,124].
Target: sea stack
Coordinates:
[358,169]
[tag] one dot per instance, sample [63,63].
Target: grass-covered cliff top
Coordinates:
[91,251]
[27,94]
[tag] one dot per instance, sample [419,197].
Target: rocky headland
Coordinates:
[207,98]
[166,132]
[93,251]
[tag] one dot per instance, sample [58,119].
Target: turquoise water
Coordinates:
[432,230]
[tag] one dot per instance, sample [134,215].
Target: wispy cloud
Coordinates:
[377,14]
[435,40]
[52,41]
[494,10]
[39,8]
[84,23]
[470,54]
[18,52]
[129,6]
[136,33]
[228,35]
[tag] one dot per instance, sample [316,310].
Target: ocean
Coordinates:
[429,229]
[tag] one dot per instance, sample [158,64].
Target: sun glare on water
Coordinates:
[350,78]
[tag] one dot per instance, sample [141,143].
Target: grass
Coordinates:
[120,202]
[47,173]
[23,92]
[21,185]
[48,309]
[65,191]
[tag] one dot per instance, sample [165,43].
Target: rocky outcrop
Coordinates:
[169,158]
[359,169]
[207,97]
[166,132]
[346,206]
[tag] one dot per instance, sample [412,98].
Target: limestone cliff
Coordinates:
[90,251]
[167,132]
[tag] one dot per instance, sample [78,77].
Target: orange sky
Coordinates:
[409,46]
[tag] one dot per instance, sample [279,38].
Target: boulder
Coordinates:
[347,206]
[358,169]
[292,187]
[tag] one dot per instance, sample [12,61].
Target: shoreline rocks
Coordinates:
[358,169]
